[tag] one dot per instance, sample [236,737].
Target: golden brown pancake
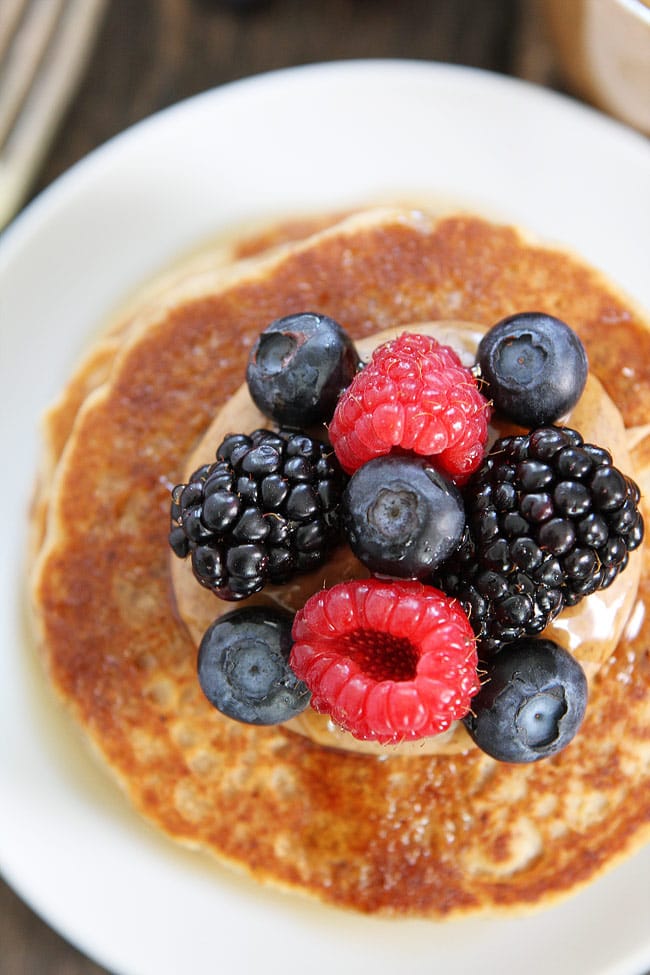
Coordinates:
[210,264]
[428,836]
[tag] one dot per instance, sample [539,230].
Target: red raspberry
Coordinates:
[388,661]
[414,394]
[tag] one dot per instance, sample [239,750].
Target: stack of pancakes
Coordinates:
[399,834]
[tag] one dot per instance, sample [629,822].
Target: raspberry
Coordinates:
[414,394]
[388,661]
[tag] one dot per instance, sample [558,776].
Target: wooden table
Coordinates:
[151,53]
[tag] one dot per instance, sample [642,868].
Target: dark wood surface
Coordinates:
[151,53]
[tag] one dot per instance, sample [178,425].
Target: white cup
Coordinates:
[603,48]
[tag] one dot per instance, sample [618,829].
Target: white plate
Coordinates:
[301,139]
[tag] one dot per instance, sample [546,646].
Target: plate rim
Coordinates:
[61,190]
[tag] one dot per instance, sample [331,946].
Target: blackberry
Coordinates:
[549,520]
[265,510]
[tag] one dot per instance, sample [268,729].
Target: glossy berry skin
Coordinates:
[243,667]
[550,520]
[267,509]
[298,367]
[388,661]
[414,395]
[535,367]
[531,703]
[401,516]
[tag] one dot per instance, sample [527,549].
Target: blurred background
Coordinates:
[110,63]
[143,55]
[154,52]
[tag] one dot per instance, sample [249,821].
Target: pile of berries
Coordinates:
[471,553]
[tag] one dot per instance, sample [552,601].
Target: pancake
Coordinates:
[211,264]
[590,630]
[403,836]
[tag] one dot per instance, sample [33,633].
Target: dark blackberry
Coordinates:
[265,510]
[549,520]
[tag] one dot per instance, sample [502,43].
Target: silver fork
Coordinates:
[44,47]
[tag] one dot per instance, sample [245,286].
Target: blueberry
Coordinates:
[298,367]
[243,667]
[531,703]
[402,517]
[535,367]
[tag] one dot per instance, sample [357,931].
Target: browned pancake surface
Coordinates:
[408,835]
[94,368]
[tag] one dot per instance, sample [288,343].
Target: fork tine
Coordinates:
[59,73]
[12,12]
[24,57]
